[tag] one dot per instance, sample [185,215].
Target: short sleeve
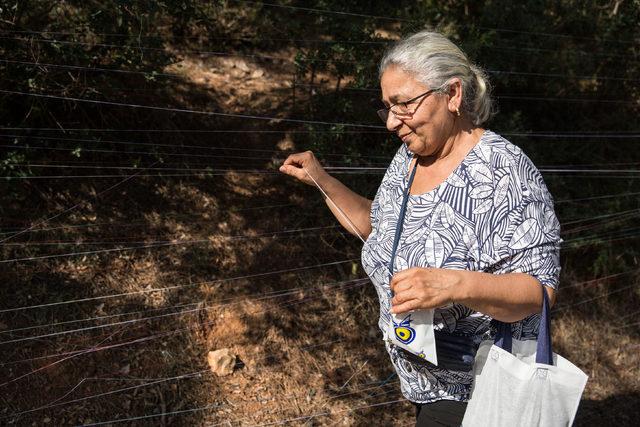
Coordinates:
[529,242]
[529,239]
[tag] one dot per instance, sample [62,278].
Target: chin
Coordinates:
[417,148]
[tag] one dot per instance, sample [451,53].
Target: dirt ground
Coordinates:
[249,262]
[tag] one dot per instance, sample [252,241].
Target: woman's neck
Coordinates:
[463,138]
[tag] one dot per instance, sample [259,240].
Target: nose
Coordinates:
[393,122]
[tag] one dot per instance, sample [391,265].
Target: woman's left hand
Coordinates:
[424,288]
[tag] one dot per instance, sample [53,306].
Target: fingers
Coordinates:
[413,290]
[299,159]
[404,296]
[412,304]
[294,171]
[300,165]
[401,286]
[403,275]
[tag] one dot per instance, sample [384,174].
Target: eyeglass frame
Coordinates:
[383,113]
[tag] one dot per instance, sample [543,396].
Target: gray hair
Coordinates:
[434,60]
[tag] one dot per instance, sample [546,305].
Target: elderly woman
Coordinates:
[462,216]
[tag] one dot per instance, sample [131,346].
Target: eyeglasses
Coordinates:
[401,109]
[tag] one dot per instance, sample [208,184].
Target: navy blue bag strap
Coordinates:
[503,336]
[400,224]
[544,352]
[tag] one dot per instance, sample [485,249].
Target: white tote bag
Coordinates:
[523,383]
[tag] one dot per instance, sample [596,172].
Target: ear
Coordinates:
[455,95]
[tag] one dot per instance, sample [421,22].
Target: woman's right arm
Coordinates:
[306,168]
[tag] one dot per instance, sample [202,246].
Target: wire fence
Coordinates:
[134,326]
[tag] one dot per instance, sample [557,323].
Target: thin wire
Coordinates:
[581,170]
[327,413]
[251,276]
[202,174]
[145,48]
[71,356]
[144,417]
[155,144]
[196,374]
[154,245]
[178,313]
[599,279]
[134,223]
[629,232]
[184,110]
[624,288]
[353,227]
[193,169]
[627,326]
[537,33]
[328,11]
[555,35]
[558,75]
[46,220]
[296,131]
[96,348]
[218,406]
[573,135]
[173,37]
[264,295]
[623,213]
[616,220]
[128,152]
[205,407]
[336,169]
[607,196]
[555,99]
[268,295]
[378,385]
[334,166]
[507,96]
[319,291]
[325,11]
[542,134]
[231,54]
[93,69]
[517,49]
[147,239]
[151,381]
[100,167]
[599,241]
[357,371]
[569,175]
[520,48]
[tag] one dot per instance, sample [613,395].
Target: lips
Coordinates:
[403,137]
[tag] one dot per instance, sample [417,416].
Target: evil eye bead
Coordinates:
[405,334]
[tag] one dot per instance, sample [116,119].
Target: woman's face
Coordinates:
[431,124]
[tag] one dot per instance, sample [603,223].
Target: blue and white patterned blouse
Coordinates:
[492,214]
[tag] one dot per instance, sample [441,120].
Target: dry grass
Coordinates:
[311,355]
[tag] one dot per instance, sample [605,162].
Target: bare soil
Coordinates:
[307,345]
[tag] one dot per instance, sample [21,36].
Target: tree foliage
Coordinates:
[557,67]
